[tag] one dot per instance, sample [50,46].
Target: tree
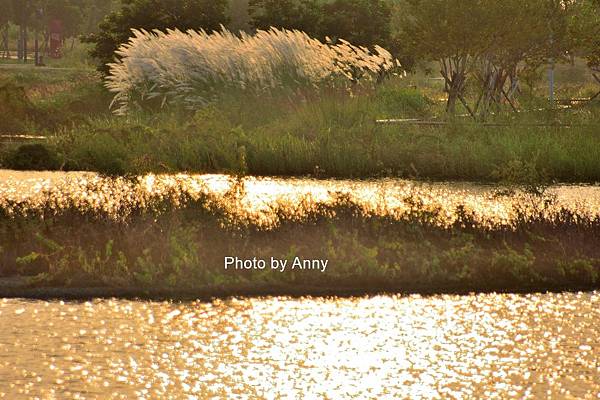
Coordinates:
[94,12]
[302,15]
[485,43]
[5,17]
[153,14]
[23,11]
[239,16]
[536,35]
[584,29]
[68,12]
[361,22]
[452,32]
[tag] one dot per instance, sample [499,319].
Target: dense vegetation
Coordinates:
[322,135]
[175,241]
[361,22]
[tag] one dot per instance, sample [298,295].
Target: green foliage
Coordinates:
[302,15]
[476,47]
[361,22]
[336,136]
[7,12]
[15,108]
[510,265]
[524,175]
[584,270]
[584,31]
[153,14]
[182,247]
[34,157]
[35,101]
[100,151]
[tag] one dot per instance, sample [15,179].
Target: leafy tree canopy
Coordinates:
[7,12]
[361,22]
[303,15]
[153,14]
[584,30]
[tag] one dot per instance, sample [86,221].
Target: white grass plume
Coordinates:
[195,67]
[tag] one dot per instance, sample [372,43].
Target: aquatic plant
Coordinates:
[195,67]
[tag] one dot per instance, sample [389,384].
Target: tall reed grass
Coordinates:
[195,67]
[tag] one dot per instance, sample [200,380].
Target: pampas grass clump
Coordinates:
[196,67]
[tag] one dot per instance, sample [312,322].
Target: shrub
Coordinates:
[362,22]
[35,157]
[15,108]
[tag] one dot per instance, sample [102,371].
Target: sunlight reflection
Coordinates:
[478,346]
[255,198]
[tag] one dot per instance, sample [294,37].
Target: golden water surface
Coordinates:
[387,347]
[257,196]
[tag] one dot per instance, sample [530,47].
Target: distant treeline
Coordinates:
[23,22]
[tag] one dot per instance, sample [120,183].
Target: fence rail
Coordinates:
[21,138]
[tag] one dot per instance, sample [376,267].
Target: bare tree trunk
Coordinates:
[494,79]
[20,44]
[25,43]
[597,78]
[5,50]
[453,71]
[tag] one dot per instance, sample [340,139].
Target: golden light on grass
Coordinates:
[193,67]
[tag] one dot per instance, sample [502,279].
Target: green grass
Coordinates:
[337,137]
[44,101]
[324,134]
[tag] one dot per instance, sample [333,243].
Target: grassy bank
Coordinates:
[43,101]
[173,242]
[327,134]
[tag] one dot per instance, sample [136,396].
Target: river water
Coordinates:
[258,195]
[477,346]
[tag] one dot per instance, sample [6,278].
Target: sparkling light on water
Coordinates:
[478,346]
[256,196]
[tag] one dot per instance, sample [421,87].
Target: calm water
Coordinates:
[482,346]
[258,195]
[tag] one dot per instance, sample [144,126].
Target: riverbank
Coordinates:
[18,288]
[172,243]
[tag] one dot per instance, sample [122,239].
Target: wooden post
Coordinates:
[36,50]
[25,43]
[551,83]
